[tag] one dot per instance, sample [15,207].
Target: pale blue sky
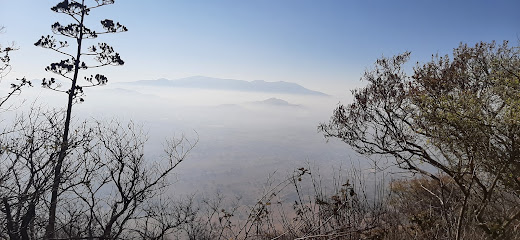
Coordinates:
[324,45]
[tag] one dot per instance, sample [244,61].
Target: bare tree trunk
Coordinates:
[10,224]
[50,230]
[461,216]
[29,215]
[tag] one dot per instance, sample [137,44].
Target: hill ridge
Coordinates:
[202,82]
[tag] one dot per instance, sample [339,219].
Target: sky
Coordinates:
[323,45]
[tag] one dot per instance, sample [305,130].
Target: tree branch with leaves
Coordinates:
[459,115]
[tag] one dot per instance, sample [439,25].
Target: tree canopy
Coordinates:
[455,115]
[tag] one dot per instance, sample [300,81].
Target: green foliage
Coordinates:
[459,115]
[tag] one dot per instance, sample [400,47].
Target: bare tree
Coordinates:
[117,185]
[69,69]
[110,190]
[29,148]
[5,68]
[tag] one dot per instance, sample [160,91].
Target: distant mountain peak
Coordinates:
[275,102]
[203,82]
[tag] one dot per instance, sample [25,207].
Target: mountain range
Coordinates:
[202,82]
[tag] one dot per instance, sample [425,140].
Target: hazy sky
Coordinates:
[324,45]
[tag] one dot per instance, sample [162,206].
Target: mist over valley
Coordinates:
[243,136]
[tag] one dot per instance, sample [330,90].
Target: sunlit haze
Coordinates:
[259,119]
[322,46]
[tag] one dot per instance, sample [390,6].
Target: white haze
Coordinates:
[241,140]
